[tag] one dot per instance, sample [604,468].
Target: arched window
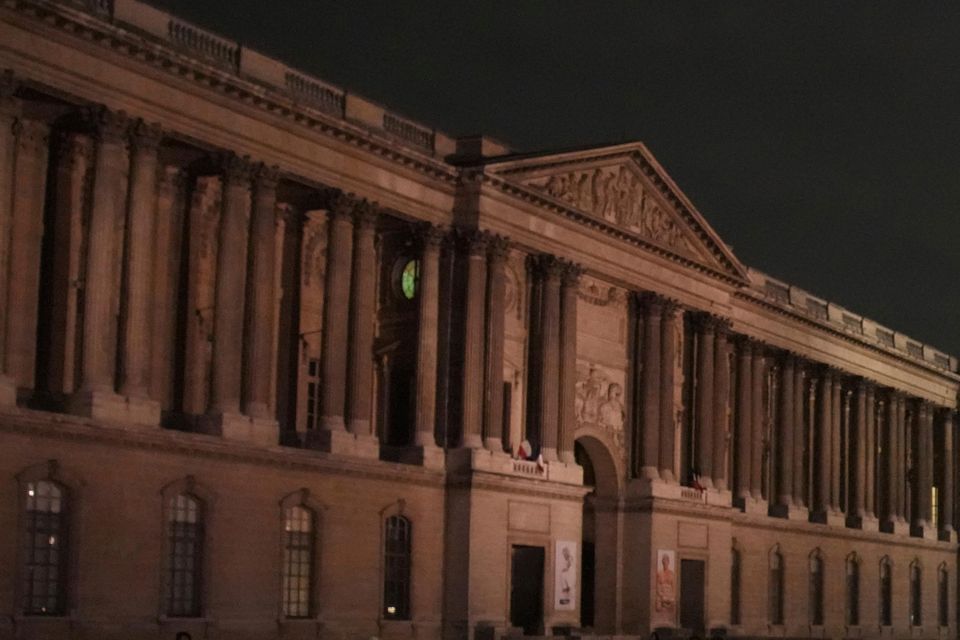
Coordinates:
[916,594]
[45,549]
[943,596]
[299,536]
[734,586]
[853,590]
[184,555]
[775,586]
[886,592]
[816,588]
[396,568]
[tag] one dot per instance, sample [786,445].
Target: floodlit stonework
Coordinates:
[269,351]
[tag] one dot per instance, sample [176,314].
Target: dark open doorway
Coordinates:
[692,596]
[526,589]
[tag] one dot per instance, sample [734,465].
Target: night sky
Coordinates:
[820,139]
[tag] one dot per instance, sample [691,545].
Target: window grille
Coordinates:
[45,570]
[298,551]
[185,539]
[396,578]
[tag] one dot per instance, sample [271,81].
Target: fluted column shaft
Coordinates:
[721,399]
[231,282]
[98,349]
[145,141]
[902,444]
[473,365]
[9,110]
[757,421]
[568,360]
[431,239]
[549,380]
[947,471]
[924,464]
[870,455]
[799,444]
[333,355]
[888,419]
[824,440]
[668,368]
[653,313]
[362,321]
[744,430]
[836,424]
[706,350]
[786,444]
[493,427]
[262,297]
[859,503]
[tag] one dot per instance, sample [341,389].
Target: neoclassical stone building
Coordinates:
[268,352]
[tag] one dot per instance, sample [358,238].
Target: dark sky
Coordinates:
[820,139]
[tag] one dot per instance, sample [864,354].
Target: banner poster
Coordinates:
[665,594]
[565,576]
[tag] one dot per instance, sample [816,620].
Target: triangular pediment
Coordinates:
[625,188]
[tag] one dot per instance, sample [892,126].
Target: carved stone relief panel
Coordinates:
[313,265]
[617,195]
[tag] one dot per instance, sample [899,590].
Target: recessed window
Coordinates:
[916,595]
[775,583]
[943,596]
[734,587]
[816,589]
[185,552]
[298,562]
[44,580]
[886,593]
[410,279]
[853,591]
[396,578]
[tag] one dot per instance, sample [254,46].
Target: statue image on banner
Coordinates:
[666,590]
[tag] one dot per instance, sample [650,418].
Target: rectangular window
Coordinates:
[297,562]
[853,593]
[185,555]
[816,591]
[44,580]
[886,595]
[396,569]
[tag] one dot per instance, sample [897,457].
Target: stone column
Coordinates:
[870,456]
[668,366]
[25,241]
[706,350]
[836,421]
[824,443]
[888,459]
[902,444]
[333,354]
[923,458]
[363,318]
[493,427]
[99,352]
[139,285]
[472,394]
[787,441]
[858,505]
[721,401]
[261,297]
[431,240]
[551,271]
[947,417]
[9,111]
[231,279]
[568,359]
[652,320]
[799,435]
[744,430]
[758,378]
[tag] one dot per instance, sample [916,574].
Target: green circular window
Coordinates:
[410,279]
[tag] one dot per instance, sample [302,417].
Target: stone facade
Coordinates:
[270,353]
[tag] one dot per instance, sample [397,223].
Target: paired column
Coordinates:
[922,466]
[870,454]
[431,240]
[228,314]
[824,442]
[787,416]
[889,469]
[721,406]
[473,356]
[901,460]
[362,321]
[799,442]
[706,355]
[744,429]
[139,284]
[947,419]
[652,320]
[9,110]
[857,507]
[551,271]
[669,325]
[495,433]
[758,380]
[568,359]
[836,424]
[261,295]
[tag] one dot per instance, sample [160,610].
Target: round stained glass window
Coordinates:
[410,279]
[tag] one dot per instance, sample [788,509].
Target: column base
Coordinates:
[428,456]
[896,527]
[947,535]
[789,512]
[125,411]
[719,498]
[870,523]
[752,506]
[923,530]
[8,392]
[236,426]
[829,518]
[343,443]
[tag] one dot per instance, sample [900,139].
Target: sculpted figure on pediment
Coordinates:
[599,401]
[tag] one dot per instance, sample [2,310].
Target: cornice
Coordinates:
[145,49]
[553,205]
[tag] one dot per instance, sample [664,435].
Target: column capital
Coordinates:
[106,125]
[787,358]
[8,88]
[236,169]
[571,274]
[145,136]
[31,134]
[365,215]
[498,248]
[473,241]
[705,322]
[547,266]
[266,176]
[429,235]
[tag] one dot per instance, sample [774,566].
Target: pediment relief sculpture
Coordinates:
[617,195]
[602,295]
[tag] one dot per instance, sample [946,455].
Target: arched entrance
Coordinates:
[600,562]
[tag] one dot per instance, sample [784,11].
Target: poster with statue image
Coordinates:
[565,572]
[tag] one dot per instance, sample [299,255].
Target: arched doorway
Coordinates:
[600,562]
